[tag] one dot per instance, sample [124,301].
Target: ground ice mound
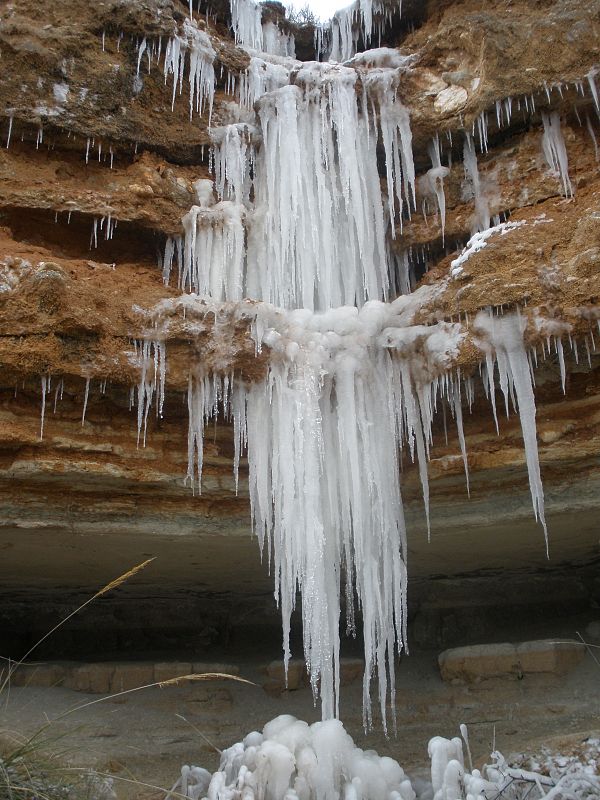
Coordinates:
[292,760]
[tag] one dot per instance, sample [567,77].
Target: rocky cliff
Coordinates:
[100,160]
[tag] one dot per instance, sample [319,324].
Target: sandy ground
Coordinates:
[144,736]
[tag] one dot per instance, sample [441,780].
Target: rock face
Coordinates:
[90,139]
[481,662]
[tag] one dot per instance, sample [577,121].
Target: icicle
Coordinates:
[435,178]
[555,151]
[505,335]
[246,23]
[457,405]
[10,124]
[481,218]
[591,76]
[43,411]
[561,362]
[201,72]
[94,235]
[85,401]
[593,137]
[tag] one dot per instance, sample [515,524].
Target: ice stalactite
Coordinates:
[250,31]
[380,86]
[591,76]
[201,73]
[263,75]
[276,42]
[315,226]
[435,177]
[213,251]
[338,39]
[316,239]
[503,336]
[481,217]
[10,124]
[85,401]
[173,250]
[246,21]
[555,151]
[233,155]
[45,388]
[343,388]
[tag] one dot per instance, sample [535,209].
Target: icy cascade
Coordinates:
[555,151]
[315,226]
[246,21]
[344,390]
[251,32]
[325,496]
[201,74]
[337,40]
[263,75]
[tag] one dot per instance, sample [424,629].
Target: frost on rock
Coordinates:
[478,242]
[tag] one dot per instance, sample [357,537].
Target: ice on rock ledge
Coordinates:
[478,241]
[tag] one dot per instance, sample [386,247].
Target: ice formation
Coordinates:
[555,151]
[481,216]
[293,238]
[250,31]
[315,228]
[196,44]
[338,39]
[291,760]
[504,336]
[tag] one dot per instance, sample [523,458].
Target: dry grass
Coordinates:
[31,767]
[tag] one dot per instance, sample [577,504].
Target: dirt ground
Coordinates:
[147,736]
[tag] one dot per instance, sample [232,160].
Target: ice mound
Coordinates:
[292,760]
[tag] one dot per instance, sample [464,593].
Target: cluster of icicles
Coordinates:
[335,40]
[300,220]
[299,226]
[291,760]
[346,390]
